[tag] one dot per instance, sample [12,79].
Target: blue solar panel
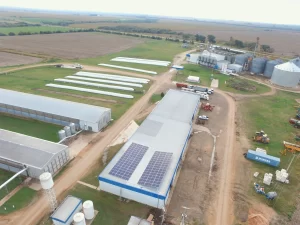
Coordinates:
[129,161]
[156,169]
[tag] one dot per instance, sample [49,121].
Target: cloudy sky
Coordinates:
[268,11]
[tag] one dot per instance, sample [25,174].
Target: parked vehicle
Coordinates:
[262,158]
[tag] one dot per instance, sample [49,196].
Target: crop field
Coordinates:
[272,114]
[34,80]
[9,59]
[70,45]
[205,75]
[32,29]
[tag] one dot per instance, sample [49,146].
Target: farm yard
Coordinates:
[70,45]
[9,59]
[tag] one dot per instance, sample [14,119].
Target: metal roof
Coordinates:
[27,150]
[166,129]
[54,106]
[138,221]
[66,209]
[288,66]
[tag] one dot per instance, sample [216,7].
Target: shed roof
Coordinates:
[53,106]
[66,209]
[27,150]
[166,129]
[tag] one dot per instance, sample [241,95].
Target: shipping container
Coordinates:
[263,158]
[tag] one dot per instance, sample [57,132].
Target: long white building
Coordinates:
[145,168]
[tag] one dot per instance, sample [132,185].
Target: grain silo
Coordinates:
[258,65]
[286,75]
[241,59]
[270,67]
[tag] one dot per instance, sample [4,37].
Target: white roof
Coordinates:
[27,150]
[288,66]
[194,78]
[138,221]
[53,106]
[66,209]
[166,129]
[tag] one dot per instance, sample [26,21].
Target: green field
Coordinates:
[33,29]
[151,49]
[44,20]
[30,127]
[18,201]
[271,114]
[205,75]
[4,176]
[34,81]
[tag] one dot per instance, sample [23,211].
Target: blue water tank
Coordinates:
[263,158]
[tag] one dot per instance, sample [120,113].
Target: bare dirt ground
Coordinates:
[87,158]
[69,46]
[9,59]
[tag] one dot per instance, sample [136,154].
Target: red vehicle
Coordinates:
[180,85]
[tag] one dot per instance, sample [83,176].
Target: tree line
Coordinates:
[249,45]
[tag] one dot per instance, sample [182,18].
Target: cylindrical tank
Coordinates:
[258,65]
[270,67]
[79,219]
[68,131]
[61,134]
[46,180]
[286,75]
[241,59]
[238,68]
[73,128]
[88,209]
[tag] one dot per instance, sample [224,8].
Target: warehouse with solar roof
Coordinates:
[145,168]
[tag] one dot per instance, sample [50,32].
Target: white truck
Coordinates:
[201,89]
[203,95]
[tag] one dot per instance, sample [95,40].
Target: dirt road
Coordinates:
[77,169]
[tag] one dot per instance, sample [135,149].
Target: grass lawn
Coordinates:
[4,176]
[34,80]
[30,127]
[155,98]
[33,29]
[151,49]
[272,114]
[20,200]
[205,79]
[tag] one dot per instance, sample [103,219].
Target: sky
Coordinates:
[265,11]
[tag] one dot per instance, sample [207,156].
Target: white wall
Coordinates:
[132,195]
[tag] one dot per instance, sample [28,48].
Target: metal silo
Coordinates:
[67,129]
[296,61]
[270,67]
[258,65]
[242,59]
[286,75]
[62,134]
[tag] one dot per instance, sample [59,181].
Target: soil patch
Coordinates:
[9,59]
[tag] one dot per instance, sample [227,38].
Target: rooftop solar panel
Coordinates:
[129,161]
[156,169]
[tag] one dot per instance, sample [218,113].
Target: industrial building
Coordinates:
[18,151]
[51,110]
[63,215]
[145,168]
[286,75]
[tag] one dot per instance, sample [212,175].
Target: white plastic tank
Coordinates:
[73,128]
[79,219]
[46,180]
[61,134]
[68,131]
[88,209]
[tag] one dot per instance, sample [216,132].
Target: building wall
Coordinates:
[42,116]
[70,220]
[58,161]
[96,127]
[285,78]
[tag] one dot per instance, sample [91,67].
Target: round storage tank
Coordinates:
[241,59]
[286,75]
[79,219]
[46,180]
[88,209]
[236,67]
[270,67]
[68,131]
[221,63]
[73,128]
[62,134]
[258,65]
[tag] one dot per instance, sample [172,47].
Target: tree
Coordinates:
[162,95]
[239,44]
[200,38]
[266,48]
[211,38]
[250,45]
[11,34]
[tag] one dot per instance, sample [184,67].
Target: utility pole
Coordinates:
[183,215]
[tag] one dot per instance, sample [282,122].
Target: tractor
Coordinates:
[261,137]
[207,107]
[261,190]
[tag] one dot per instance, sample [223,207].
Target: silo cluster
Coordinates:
[270,65]
[258,65]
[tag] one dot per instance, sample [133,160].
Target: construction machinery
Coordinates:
[293,148]
[295,123]
[261,137]
[261,190]
[207,107]
[297,137]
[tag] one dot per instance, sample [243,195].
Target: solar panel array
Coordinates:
[129,161]
[156,169]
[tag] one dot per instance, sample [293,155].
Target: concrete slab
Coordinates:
[214,83]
